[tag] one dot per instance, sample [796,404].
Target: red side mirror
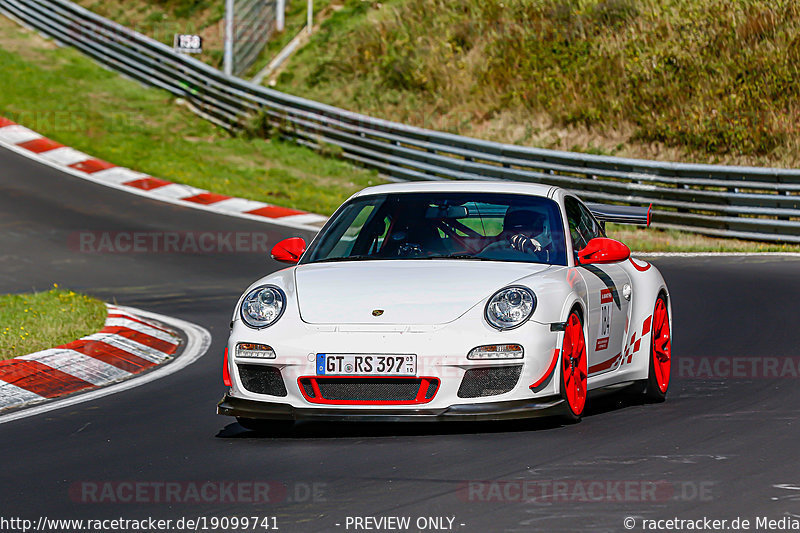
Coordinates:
[289,250]
[603,250]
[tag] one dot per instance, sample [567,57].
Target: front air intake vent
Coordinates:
[368,390]
[262,379]
[489,381]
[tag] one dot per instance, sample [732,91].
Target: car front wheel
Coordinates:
[574,368]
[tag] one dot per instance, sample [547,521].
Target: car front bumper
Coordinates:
[502,410]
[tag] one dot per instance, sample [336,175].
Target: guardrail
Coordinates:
[745,202]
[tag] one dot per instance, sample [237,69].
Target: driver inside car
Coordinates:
[523,231]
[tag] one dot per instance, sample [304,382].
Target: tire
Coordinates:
[574,368]
[660,364]
[264,426]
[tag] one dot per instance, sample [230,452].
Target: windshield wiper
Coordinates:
[347,258]
[459,255]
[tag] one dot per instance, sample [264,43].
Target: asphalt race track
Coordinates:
[721,447]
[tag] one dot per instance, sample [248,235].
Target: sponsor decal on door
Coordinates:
[604,327]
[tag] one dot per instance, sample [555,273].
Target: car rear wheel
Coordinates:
[660,353]
[263,426]
[574,368]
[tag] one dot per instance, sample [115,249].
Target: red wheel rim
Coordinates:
[661,345]
[574,365]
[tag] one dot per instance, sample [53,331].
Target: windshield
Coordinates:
[471,225]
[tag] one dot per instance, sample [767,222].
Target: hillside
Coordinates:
[692,80]
[688,80]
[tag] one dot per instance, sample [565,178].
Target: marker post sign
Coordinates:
[188,44]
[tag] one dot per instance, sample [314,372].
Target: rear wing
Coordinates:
[621,214]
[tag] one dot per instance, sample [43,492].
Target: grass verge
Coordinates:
[67,97]
[42,320]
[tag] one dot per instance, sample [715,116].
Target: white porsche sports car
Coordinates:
[449,301]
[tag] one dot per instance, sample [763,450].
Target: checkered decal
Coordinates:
[635,342]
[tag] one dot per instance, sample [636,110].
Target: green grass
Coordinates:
[716,80]
[67,97]
[42,320]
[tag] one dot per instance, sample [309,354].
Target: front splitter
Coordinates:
[506,410]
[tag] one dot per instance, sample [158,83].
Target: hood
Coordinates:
[422,292]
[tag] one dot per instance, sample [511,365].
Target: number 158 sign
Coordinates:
[188,44]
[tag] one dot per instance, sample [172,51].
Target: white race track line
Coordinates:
[151,194]
[198,340]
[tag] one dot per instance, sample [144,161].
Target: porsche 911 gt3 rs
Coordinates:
[449,301]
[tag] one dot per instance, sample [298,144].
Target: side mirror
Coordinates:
[603,250]
[289,250]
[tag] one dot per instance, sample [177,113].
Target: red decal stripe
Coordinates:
[110,354]
[549,369]
[644,268]
[273,211]
[91,166]
[38,146]
[605,365]
[5,122]
[39,378]
[646,326]
[206,198]
[226,374]
[147,184]
[141,338]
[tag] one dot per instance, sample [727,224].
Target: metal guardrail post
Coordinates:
[228,57]
[280,15]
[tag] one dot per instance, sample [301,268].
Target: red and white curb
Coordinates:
[130,342]
[33,145]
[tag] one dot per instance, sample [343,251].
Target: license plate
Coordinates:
[366,365]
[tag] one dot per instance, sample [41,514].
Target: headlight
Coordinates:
[509,308]
[263,306]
